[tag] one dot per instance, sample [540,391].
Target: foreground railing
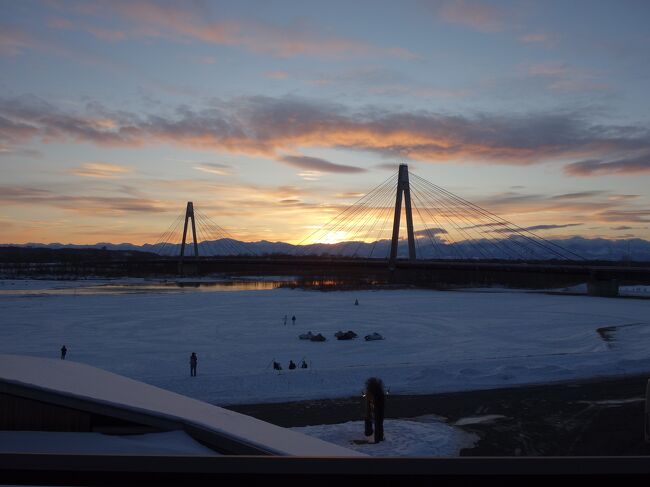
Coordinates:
[49,469]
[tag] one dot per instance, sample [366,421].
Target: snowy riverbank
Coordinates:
[435,341]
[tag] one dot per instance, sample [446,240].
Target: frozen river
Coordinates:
[434,341]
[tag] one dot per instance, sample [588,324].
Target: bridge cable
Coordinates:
[460,214]
[371,220]
[219,237]
[171,235]
[547,244]
[164,236]
[381,232]
[382,207]
[340,214]
[504,244]
[348,222]
[450,211]
[367,216]
[452,246]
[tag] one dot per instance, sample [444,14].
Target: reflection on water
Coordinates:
[85,289]
[148,287]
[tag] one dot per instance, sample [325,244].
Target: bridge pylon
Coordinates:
[189,215]
[403,187]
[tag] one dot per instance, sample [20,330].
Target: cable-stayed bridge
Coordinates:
[406,229]
[405,216]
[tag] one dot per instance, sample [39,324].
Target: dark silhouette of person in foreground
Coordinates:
[375,404]
[303,364]
[193,361]
[293,318]
[292,365]
[63,352]
[276,366]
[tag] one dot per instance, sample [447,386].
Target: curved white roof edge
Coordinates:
[81,381]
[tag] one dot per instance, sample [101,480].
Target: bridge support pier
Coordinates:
[404,187]
[604,288]
[189,215]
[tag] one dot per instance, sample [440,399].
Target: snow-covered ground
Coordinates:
[423,436]
[642,291]
[435,341]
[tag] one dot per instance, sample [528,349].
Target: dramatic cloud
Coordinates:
[100,170]
[485,225]
[551,227]
[430,231]
[264,126]
[547,40]
[320,165]
[533,228]
[14,41]
[214,168]
[99,32]
[637,216]
[276,75]
[92,205]
[624,197]
[636,164]
[573,196]
[196,22]
[564,78]
[478,16]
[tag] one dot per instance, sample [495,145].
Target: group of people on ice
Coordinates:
[292,365]
[340,335]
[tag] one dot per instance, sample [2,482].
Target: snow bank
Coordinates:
[83,381]
[402,438]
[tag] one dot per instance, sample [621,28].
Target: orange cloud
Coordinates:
[191,22]
[13,41]
[100,170]
[273,127]
[478,16]
[90,205]
[635,164]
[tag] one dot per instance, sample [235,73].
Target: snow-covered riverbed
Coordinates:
[435,341]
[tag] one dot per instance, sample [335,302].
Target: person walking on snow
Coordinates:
[293,318]
[63,352]
[193,360]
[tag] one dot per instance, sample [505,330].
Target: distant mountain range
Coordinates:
[635,249]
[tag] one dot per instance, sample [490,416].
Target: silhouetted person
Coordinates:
[293,318]
[291,365]
[276,366]
[303,364]
[63,352]
[375,404]
[193,361]
[285,320]
[356,302]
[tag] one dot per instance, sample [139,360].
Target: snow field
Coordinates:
[435,341]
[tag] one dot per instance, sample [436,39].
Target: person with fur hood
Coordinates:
[375,407]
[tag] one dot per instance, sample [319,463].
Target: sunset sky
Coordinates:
[272,116]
